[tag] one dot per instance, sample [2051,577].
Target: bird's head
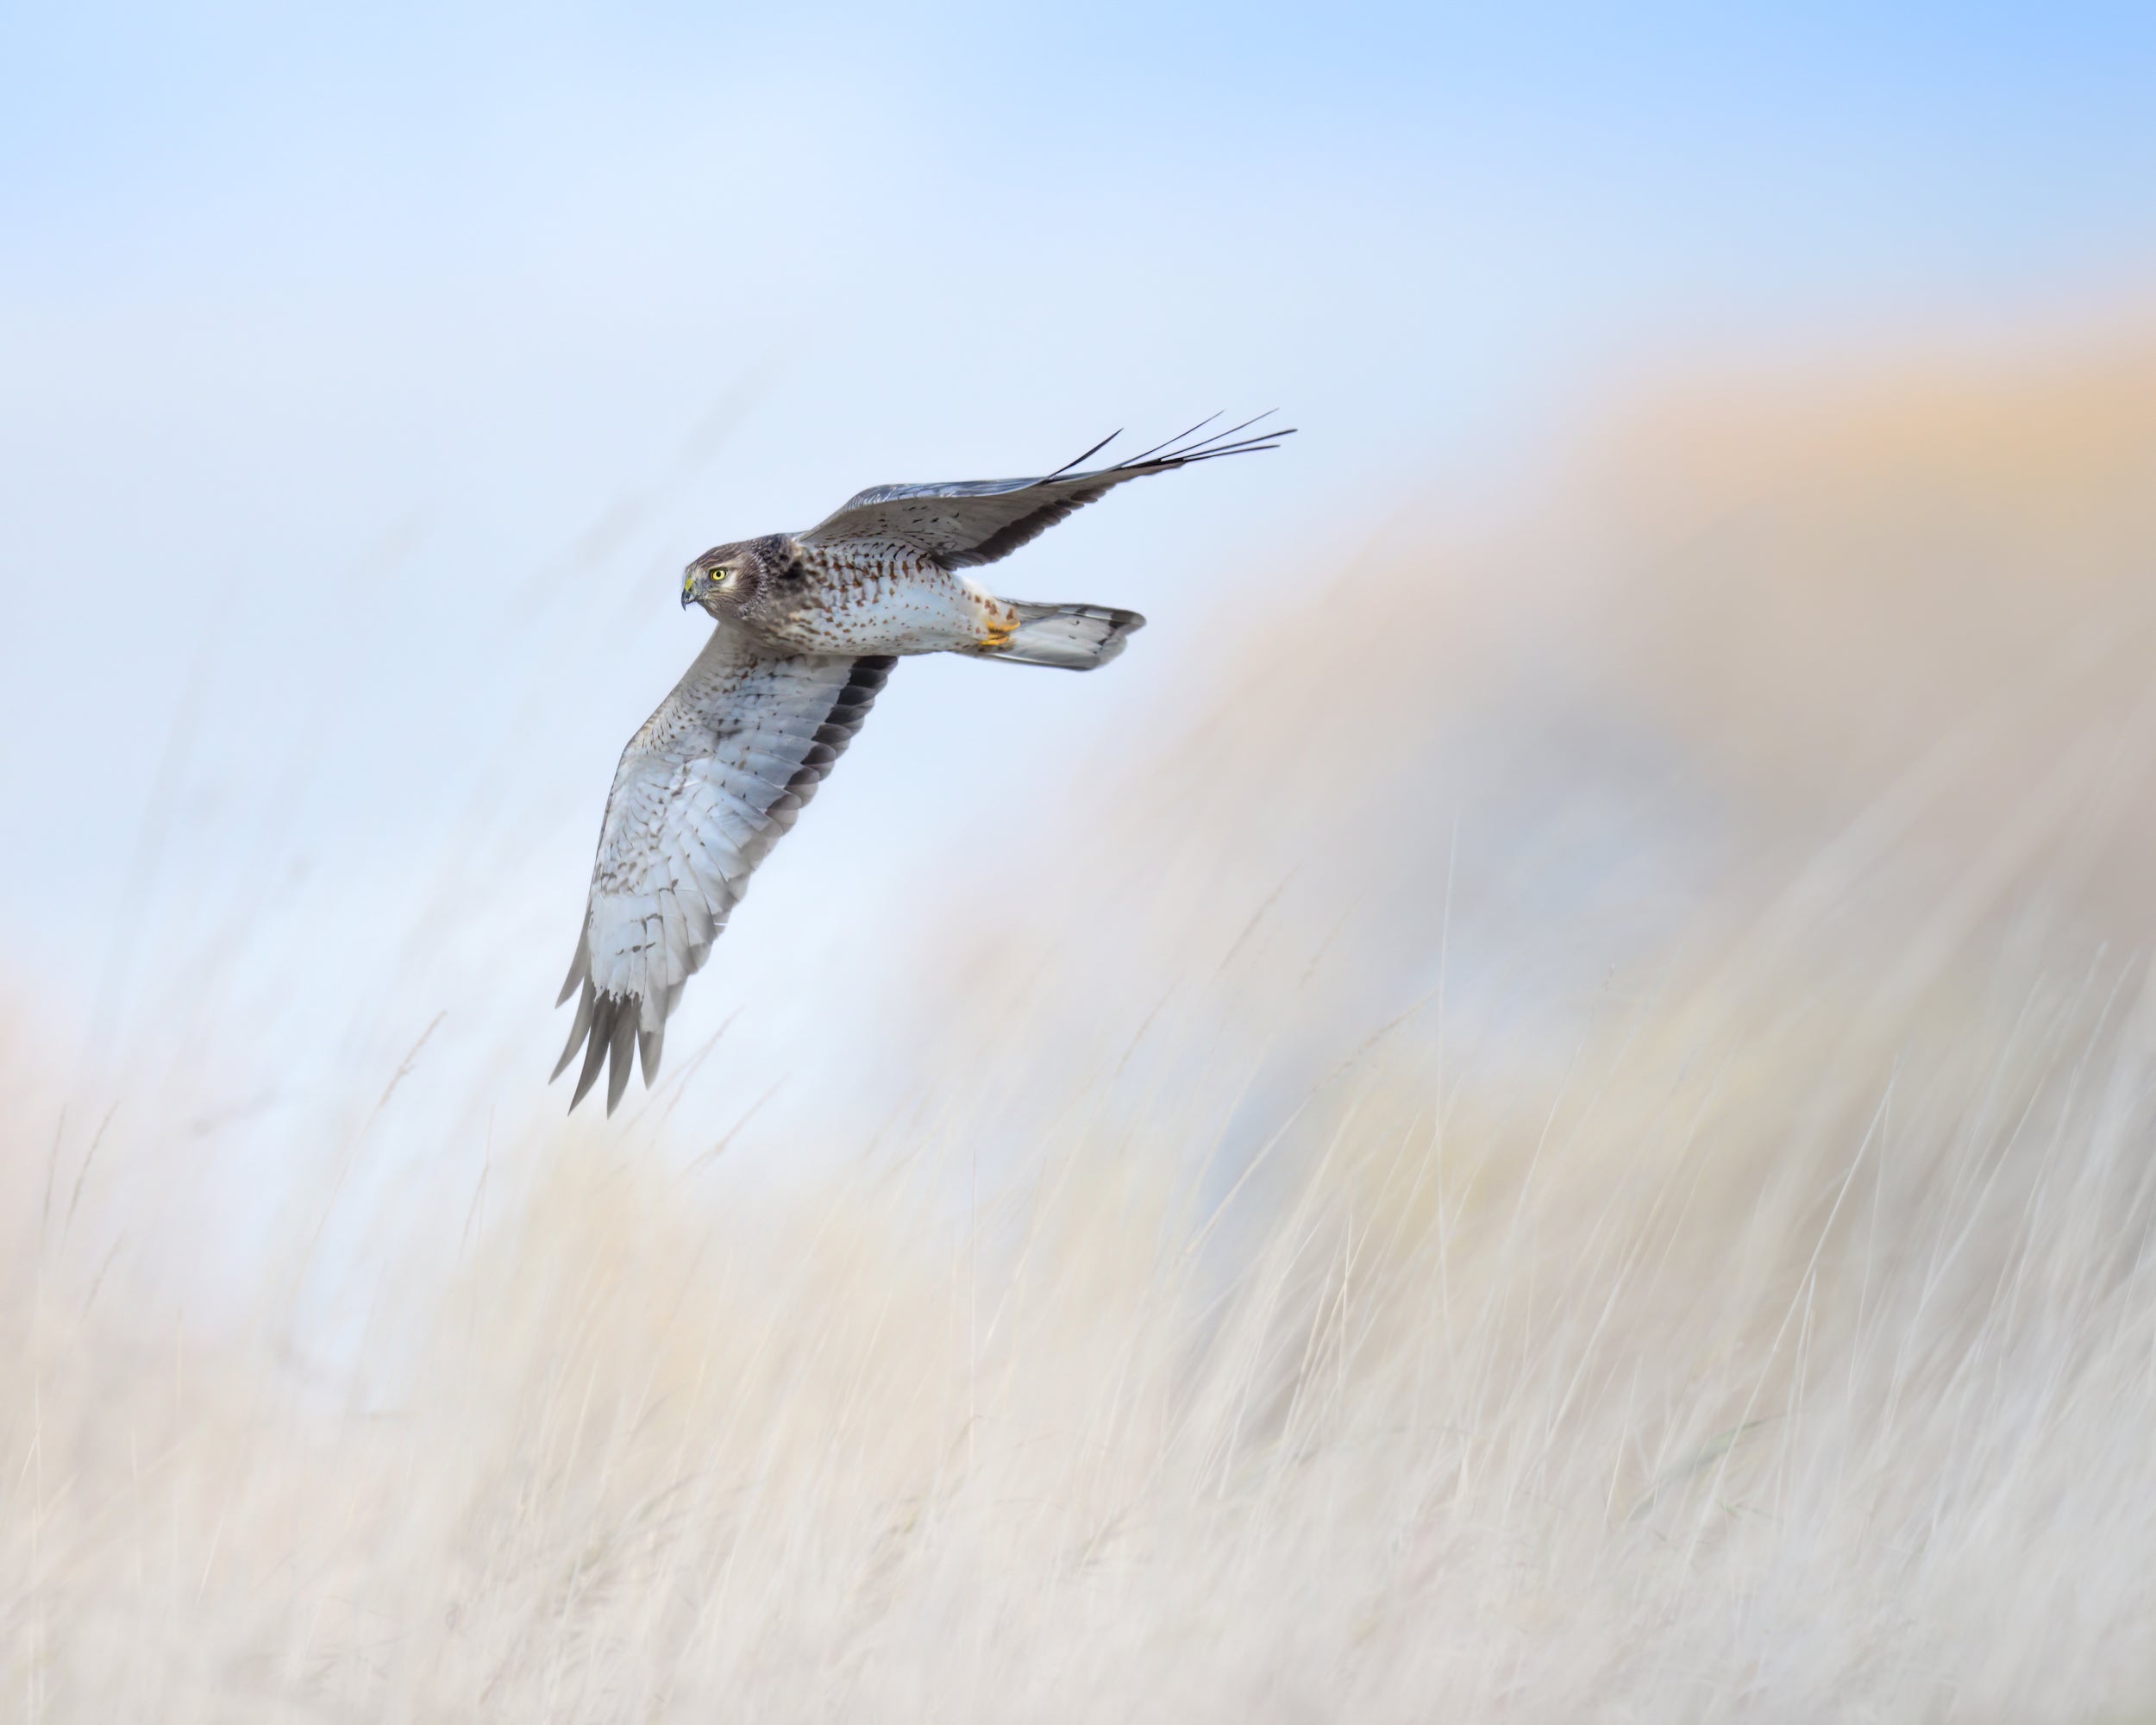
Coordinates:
[739,580]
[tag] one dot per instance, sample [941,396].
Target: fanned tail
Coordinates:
[1070,638]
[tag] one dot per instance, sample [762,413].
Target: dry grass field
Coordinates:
[1579,1148]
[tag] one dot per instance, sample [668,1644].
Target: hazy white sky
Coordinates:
[370,373]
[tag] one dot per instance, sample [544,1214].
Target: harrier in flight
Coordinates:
[809,626]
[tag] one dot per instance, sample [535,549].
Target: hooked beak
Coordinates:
[688,588]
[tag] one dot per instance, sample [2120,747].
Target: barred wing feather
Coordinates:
[964,522]
[704,790]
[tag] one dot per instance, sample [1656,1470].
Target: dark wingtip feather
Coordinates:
[1181,453]
[1188,452]
[578,969]
[621,1051]
[1249,446]
[1087,456]
[605,1011]
[579,1027]
[1145,455]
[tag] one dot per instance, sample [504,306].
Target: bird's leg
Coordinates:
[1000,619]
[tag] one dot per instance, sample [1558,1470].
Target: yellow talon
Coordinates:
[1000,634]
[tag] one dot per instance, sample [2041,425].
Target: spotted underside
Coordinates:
[704,790]
[884,596]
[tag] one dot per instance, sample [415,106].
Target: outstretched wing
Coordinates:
[703,791]
[967,522]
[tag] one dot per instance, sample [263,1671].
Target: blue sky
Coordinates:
[371,372]
[291,132]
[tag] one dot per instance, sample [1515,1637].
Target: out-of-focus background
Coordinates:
[1541,1100]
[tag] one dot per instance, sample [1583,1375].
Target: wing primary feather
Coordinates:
[578,1031]
[1089,455]
[649,1043]
[1140,458]
[603,1016]
[580,971]
[1249,446]
[621,1052]
[1178,450]
[1205,451]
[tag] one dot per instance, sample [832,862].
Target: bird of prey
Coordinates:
[808,627]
